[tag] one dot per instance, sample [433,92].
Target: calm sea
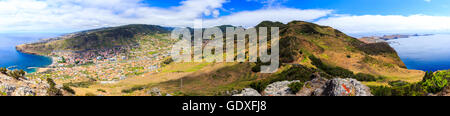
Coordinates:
[9,57]
[427,53]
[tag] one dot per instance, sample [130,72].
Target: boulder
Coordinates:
[279,89]
[346,87]
[315,87]
[154,92]
[248,92]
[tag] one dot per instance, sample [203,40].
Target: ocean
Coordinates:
[427,53]
[10,57]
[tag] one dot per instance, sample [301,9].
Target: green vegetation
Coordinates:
[296,86]
[68,89]
[152,52]
[104,38]
[406,90]
[84,84]
[168,61]
[101,90]
[52,90]
[341,72]
[298,72]
[398,83]
[432,83]
[16,74]
[134,88]
[436,83]
[3,70]
[257,67]
[63,60]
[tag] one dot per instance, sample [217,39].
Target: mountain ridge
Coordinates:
[305,48]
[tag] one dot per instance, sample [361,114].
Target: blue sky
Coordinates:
[355,7]
[350,16]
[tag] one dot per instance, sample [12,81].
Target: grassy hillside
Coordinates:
[305,49]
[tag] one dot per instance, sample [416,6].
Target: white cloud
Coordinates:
[39,15]
[427,0]
[75,15]
[389,23]
[270,3]
[252,18]
[64,15]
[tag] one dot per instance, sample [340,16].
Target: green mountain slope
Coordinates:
[104,38]
[305,49]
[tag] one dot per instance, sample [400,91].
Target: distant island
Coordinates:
[376,39]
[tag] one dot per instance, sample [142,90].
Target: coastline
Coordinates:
[41,68]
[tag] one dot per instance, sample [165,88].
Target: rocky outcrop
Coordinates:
[248,92]
[444,92]
[346,87]
[334,87]
[154,92]
[317,87]
[279,89]
[24,87]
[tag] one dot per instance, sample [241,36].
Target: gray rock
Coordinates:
[248,92]
[154,92]
[22,87]
[8,89]
[279,89]
[314,87]
[346,87]
[24,91]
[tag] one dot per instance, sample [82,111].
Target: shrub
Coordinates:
[432,83]
[398,83]
[3,70]
[135,88]
[406,90]
[68,89]
[436,83]
[84,84]
[168,61]
[297,72]
[52,90]
[101,90]
[296,86]
[63,60]
[260,85]
[17,74]
[257,67]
